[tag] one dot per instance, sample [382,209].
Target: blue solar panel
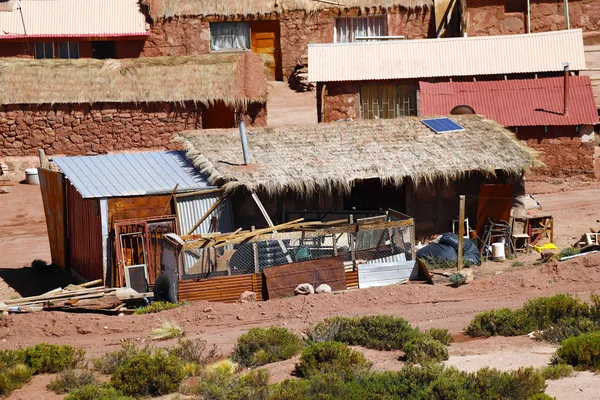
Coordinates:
[441,125]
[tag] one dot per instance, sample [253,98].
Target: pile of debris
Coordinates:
[87,297]
[298,80]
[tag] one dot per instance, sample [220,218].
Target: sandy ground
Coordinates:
[287,107]
[573,204]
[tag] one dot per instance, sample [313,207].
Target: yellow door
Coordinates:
[265,40]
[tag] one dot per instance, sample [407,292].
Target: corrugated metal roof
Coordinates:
[488,55]
[136,174]
[527,102]
[73,18]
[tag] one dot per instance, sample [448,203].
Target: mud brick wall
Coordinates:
[73,129]
[563,150]
[489,17]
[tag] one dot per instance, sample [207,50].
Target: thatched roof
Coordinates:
[236,79]
[171,8]
[323,157]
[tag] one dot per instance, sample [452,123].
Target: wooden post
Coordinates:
[461,231]
[43,158]
[255,253]
[270,223]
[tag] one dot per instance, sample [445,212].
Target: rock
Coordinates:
[323,288]
[5,189]
[304,289]
[468,274]
[239,317]
[247,297]
[207,309]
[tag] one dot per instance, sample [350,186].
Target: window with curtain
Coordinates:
[387,101]
[44,50]
[348,29]
[68,50]
[229,36]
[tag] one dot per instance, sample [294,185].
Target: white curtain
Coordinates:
[230,36]
[348,29]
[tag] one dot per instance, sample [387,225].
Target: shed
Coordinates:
[106,215]
[534,110]
[322,170]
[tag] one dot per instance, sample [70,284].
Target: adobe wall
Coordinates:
[177,37]
[488,17]
[564,151]
[75,129]
[341,101]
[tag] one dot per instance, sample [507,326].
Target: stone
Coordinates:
[240,318]
[323,288]
[304,289]
[468,274]
[5,189]
[207,309]
[247,297]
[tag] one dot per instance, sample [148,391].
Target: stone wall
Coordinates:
[99,128]
[564,151]
[341,101]
[488,17]
[178,37]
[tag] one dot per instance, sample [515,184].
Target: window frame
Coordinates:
[336,34]
[45,48]
[210,29]
[69,49]
[412,111]
[515,6]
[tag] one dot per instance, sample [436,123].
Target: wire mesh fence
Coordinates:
[389,240]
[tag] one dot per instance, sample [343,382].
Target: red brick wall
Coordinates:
[100,128]
[488,17]
[564,151]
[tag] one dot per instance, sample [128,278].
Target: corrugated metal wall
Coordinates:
[190,208]
[53,197]
[226,289]
[84,227]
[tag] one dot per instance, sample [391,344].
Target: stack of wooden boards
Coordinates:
[85,297]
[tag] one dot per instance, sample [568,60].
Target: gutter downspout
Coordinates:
[567,14]
[24,28]
[528,16]
[566,89]
[244,140]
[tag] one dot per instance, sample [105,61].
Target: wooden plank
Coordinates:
[495,201]
[53,198]
[282,280]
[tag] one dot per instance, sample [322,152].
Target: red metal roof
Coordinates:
[526,102]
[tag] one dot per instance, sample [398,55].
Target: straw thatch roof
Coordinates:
[324,157]
[236,79]
[171,8]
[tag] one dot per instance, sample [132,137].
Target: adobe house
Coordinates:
[283,29]
[87,106]
[370,88]
[559,127]
[72,28]
[322,171]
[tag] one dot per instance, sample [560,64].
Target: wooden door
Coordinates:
[265,40]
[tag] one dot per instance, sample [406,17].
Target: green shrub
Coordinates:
[194,351]
[325,331]
[545,311]
[567,252]
[50,358]
[565,328]
[517,264]
[95,392]
[541,396]
[9,358]
[146,374]
[504,321]
[223,384]
[13,377]
[71,379]
[457,279]
[109,362]
[582,352]
[319,386]
[380,332]
[331,357]
[425,349]
[558,371]
[157,306]
[262,346]
[441,335]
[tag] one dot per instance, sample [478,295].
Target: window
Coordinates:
[348,29]
[229,36]
[387,101]
[44,49]
[68,50]
[515,6]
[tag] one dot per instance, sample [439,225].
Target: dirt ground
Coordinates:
[572,202]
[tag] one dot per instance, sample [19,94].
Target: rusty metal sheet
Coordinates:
[283,279]
[225,289]
[53,197]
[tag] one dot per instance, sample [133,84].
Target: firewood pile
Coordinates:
[87,297]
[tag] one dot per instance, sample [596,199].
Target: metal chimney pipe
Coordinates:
[244,139]
[566,89]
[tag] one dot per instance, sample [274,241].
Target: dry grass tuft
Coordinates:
[167,330]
